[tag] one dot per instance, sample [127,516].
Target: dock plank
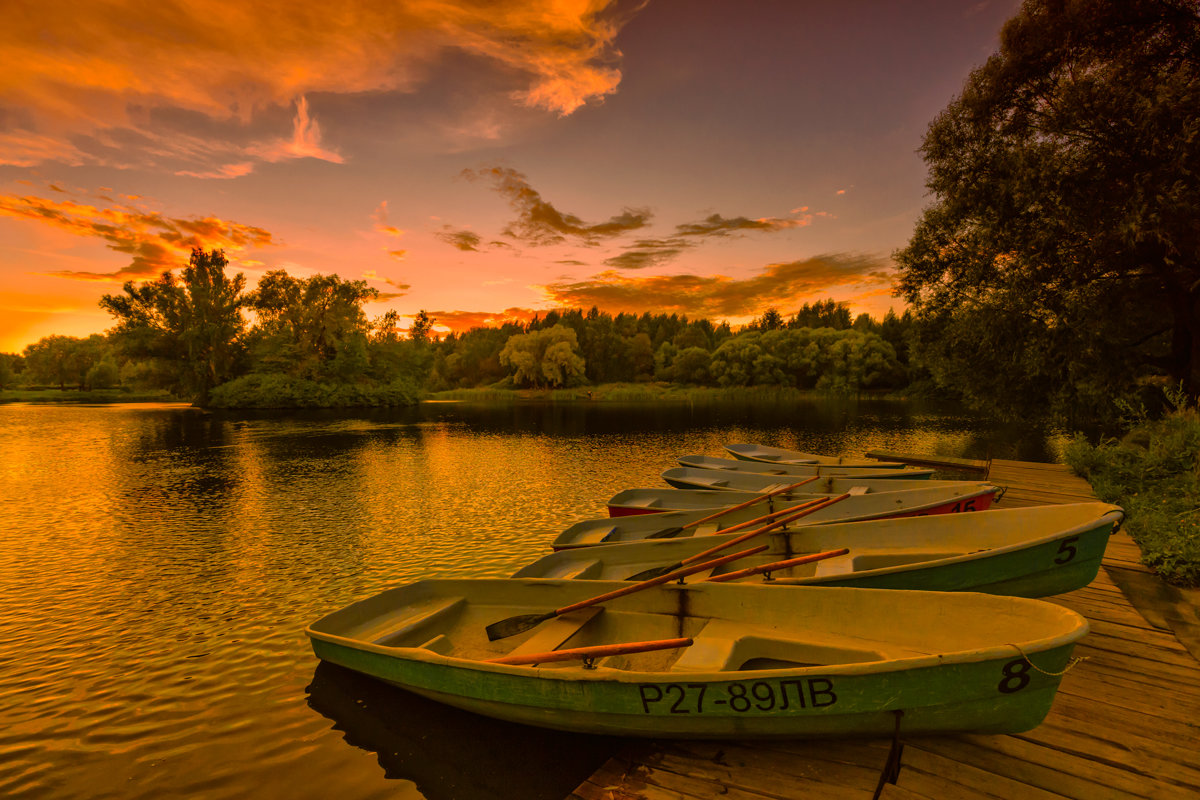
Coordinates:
[1125,722]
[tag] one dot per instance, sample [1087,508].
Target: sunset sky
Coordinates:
[479,160]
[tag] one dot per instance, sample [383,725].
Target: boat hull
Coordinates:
[936,699]
[1024,552]
[761,662]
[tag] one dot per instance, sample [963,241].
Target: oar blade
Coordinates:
[514,625]
[655,572]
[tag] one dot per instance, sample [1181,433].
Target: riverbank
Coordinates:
[642,392]
[97,396]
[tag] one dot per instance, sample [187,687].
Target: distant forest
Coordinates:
[307,342]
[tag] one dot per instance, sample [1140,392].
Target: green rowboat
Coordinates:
[653,500]
[739,663]
[778,455]
[693,478]
[801,470]
[1025,552]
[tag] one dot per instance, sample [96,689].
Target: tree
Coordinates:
[193,322]
[422,327]
[1058,263]
[53,360]
[8,370]
[312,328]
[544,357]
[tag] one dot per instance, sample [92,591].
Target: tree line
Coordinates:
[821,346]
[200,335]
[293,342]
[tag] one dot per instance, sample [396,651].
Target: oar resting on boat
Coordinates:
[763,662]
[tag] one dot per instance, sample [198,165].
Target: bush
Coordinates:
[1154,473]
[284,391]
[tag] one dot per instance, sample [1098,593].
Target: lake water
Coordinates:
[158,565]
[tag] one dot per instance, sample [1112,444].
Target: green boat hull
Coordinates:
[1042,570]
[1001,695]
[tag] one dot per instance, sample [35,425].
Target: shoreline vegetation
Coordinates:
[1153,472]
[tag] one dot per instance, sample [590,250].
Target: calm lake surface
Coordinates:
[159,564]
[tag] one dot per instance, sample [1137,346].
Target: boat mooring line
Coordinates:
[1070,664]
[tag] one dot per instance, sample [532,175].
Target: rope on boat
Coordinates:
[1070,664]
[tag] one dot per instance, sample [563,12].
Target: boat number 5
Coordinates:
[1066,550]
[1016,676]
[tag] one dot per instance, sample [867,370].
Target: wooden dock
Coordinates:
[1125,722]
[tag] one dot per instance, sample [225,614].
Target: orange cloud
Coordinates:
[459,321]
[305,141]
[104,67]
[155,243]
[778,285]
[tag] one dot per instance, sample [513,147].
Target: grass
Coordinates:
[78,396]
[1153,472]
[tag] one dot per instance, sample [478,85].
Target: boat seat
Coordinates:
[578,570]
[710,481]
[841,565]
[392,632]
[855,490]
[554,633]
[709,529]
[725,645]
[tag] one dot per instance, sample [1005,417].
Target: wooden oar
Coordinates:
[778,565]
[523,622]
[595,651]
[668,533]
[808,509]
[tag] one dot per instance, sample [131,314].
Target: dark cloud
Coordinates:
[716,225]
[462,239]
[779,285]
[540,223]
[648,253]
[401,290]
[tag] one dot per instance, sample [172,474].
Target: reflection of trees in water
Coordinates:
[452,754]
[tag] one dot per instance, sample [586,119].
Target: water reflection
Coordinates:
[159,565]
[451,754]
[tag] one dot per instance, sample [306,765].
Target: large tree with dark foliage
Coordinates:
[1058,265]
[193,322]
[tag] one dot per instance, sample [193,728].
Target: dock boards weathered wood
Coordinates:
[1125,722]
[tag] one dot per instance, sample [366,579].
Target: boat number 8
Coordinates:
[1016,676]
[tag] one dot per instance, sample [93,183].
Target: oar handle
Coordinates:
[778,565]
[596,651]
[748,503]
[670,576]
[804,512]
